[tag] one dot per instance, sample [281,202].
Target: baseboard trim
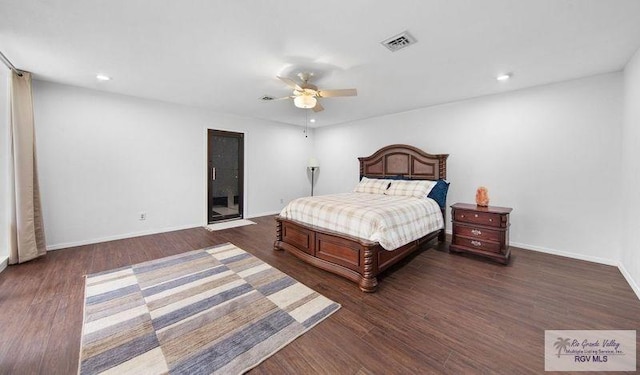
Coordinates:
[271,213]
[65,245]
[119,237]
[609,262]
[566,254]
[4,262]
[634,285]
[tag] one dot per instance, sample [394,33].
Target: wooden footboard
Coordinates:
[358,260]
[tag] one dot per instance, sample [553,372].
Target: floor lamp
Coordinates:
[313,165]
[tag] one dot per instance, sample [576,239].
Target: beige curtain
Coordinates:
[27,231]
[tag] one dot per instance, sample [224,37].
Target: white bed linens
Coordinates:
[391,221]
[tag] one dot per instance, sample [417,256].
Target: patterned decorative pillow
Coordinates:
[439,192]
[410,188]
[371,186]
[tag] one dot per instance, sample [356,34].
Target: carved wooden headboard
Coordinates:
[402,160]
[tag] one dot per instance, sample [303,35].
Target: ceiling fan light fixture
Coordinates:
[305,101]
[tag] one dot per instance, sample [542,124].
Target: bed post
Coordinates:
[369,281]
[278,242]
[442,173]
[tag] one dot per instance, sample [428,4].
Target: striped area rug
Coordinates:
[215,310]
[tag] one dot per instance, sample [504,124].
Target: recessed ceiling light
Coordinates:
[504,77]
[103,77]
[312,120]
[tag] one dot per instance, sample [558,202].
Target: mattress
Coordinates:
[391,221]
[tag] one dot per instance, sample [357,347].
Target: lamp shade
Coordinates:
[305,101]
[313,163]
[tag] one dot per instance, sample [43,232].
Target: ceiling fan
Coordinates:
[306,95]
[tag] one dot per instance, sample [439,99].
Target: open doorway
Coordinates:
[225,153]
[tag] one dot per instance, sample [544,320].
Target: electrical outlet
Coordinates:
[142,216]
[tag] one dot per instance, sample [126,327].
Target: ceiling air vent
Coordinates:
[267,98]
[400,41]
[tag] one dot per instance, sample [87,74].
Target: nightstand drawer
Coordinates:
[480,233]
[476,217]
[490,246]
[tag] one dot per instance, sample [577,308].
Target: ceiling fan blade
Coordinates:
[291,83]
[318,107]
[333,93]
[269,98]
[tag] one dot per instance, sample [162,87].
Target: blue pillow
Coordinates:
[439,193]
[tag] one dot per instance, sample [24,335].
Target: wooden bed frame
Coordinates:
[357,259]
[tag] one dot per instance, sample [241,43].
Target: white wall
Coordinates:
[104,158]
[4,165]
[550,152]
[630,258]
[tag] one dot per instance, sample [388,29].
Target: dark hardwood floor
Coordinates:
[434,313]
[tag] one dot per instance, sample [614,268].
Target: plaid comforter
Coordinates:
[391,221]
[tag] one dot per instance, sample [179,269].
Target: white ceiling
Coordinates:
[224,55]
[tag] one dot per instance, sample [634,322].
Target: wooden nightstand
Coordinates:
[481,230]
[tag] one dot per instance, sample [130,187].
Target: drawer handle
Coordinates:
[462,216]
[476,215]
[476,232]
[476,243]
[490,219]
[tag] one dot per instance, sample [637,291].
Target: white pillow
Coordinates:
[371,186]
[410,188]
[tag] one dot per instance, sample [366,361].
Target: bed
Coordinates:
[357,259]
